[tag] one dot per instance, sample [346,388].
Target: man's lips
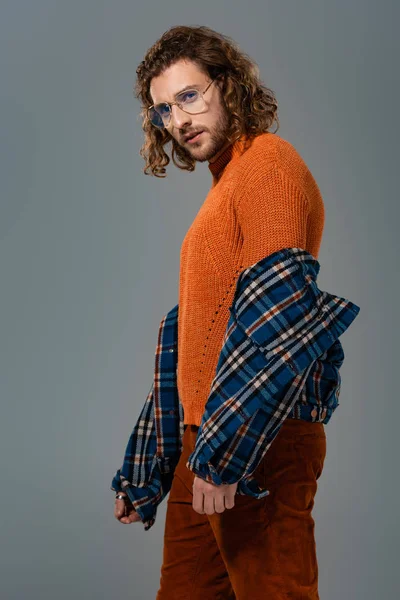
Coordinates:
[193,137]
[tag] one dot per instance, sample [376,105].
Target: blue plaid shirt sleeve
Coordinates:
[140,475]
[280,325]
[154,445]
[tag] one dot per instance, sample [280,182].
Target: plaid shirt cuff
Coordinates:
[246,485]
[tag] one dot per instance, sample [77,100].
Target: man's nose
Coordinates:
[179,117]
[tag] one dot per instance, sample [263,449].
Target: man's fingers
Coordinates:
[119,507]
[124,511]
[132,518]
[209,507]
[230,498]
[198,499]
[219,502]
[210,498]
[198,495]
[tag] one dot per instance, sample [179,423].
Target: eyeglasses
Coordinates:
[191,101]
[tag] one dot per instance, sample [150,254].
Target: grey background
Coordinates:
[89,264]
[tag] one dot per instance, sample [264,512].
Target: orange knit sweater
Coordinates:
[263,198]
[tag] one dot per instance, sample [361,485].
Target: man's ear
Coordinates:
[220,80]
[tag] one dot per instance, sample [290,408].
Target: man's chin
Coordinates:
[201,152]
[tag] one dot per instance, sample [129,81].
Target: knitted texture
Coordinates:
[263,198]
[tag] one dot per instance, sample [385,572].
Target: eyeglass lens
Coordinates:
[191,101]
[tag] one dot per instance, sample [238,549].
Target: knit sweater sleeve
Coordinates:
[273,212]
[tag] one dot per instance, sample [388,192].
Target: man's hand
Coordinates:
[209,498]
[124,511]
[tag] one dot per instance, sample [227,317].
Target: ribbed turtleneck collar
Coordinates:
[226,155]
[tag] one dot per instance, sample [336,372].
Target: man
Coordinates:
[202,95]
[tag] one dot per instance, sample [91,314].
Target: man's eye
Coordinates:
[188,96]
[163,109]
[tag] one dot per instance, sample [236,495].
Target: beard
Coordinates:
[214,141]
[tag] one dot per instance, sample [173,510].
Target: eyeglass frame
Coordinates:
[171,104]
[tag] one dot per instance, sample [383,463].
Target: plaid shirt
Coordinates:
[280,358]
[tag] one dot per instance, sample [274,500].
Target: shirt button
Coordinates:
[171,412]
[171,350]
[314,412]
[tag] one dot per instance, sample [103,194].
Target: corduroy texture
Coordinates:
[259,549]
[263,198]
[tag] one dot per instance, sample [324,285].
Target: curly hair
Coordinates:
[251,106]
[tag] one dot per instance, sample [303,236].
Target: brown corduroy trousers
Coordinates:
[261,548]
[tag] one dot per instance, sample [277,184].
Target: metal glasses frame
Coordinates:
[170,104]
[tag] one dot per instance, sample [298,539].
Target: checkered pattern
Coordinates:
[280,359]
[155,443]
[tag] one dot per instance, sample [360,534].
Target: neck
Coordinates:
[218,154]
[229,151]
